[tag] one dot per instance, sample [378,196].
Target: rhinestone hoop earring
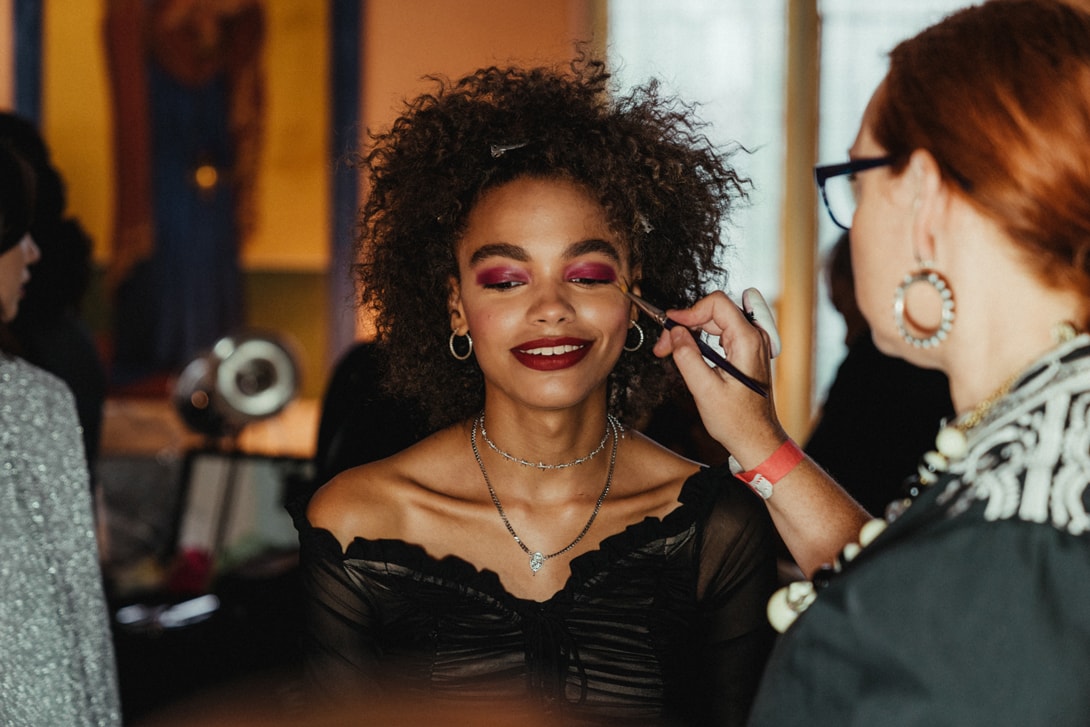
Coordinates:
[639,343]
[946,322]
[454,351]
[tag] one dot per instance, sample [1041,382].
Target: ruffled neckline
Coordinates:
[695,500]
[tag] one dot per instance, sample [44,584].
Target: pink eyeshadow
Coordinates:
[494,276]
[597,271]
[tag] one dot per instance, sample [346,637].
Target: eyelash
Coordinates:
[509,284]
[503,285]
[591,281]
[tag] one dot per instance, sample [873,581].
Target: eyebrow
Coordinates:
[586,247]
[499,249]
[583,247]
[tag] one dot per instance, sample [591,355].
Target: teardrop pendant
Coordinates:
[536,561]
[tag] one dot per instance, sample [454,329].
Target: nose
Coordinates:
[31,250]
[551,305]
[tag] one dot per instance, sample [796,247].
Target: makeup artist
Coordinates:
[970,238]
[536,553]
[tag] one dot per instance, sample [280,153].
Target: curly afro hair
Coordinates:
[665,188]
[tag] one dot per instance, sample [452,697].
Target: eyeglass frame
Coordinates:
[824,172]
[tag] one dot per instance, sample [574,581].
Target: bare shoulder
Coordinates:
[380,499]
[343,504]
[650,476]
[658,463]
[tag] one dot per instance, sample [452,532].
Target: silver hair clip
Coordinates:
[648,228]
[499,150]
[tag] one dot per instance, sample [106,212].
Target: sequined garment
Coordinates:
[56,657]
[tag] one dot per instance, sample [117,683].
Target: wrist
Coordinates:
[775,467]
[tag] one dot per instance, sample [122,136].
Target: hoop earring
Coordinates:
[946,321]
[454,351]
[639,343]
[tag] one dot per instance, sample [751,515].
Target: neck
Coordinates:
[1005,309]
[546,435]
[976,377]
[612,429]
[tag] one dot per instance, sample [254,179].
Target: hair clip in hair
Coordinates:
[648,228]
[499,150]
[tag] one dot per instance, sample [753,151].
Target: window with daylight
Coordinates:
[730,56]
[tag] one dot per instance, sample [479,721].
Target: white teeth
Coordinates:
[551,350]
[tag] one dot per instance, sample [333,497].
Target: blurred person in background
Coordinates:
[49,330]
[57,664]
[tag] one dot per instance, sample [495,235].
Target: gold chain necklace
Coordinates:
[952,441]
[951,445]
[537,558]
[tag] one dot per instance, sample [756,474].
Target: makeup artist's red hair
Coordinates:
[1000,96]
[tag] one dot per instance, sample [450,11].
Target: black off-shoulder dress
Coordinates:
[663,624]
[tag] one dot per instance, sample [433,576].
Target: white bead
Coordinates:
[850,551]
[932,463]
[952,442]
[936,461]
[788,602]
[871,530]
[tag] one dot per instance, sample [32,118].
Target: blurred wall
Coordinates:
[287,259]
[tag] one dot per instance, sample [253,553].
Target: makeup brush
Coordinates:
[659,316]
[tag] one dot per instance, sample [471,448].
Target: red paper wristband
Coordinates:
[761,478]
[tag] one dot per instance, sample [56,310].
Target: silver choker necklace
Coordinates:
[612,425]
[537,558]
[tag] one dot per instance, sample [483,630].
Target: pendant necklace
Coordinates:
[537,558]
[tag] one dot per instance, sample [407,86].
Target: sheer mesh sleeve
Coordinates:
[737,574]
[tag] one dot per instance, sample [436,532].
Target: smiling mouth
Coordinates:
[551,355]
[550,350]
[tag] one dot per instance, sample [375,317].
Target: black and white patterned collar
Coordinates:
[1030,457]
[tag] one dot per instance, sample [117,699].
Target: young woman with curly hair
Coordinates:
[535,549]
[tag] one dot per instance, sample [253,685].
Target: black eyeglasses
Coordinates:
[837,190]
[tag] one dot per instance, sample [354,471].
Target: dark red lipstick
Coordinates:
[551,354]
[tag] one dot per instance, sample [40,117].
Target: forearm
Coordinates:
[814,516]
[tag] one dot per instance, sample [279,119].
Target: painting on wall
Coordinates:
[202,144]
[187,88]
